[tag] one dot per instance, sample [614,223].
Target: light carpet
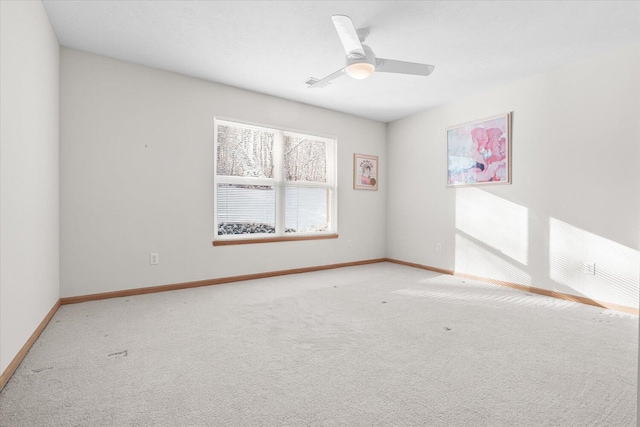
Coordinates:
[375,345]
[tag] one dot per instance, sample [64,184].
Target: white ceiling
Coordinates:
[273,47]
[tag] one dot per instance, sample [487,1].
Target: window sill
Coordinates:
[274,239]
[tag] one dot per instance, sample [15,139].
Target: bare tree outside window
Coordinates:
[244,152]
[305,159]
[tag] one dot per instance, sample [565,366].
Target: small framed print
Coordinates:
[365,172]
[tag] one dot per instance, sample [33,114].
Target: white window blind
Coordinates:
[272,182]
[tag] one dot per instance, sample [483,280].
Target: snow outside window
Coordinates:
[272,182]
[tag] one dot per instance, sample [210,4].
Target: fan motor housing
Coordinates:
[369,58]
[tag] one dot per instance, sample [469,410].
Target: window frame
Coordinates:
[279,183]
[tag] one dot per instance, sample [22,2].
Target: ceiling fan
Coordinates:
[361,62]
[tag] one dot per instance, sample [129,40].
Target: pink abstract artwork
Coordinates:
[478,153]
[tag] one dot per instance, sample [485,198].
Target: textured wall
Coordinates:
[137,177]
[29,275]
[574,196]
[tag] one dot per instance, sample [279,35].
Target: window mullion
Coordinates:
[333,176]
[279,177]
[241,180]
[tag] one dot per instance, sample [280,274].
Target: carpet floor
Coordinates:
[374,345]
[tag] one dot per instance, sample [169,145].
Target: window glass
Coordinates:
[306,209]
[246,209]
[305,159]
[244,152]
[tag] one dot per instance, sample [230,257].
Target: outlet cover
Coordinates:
[590,268]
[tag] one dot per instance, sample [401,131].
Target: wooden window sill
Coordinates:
[274,239]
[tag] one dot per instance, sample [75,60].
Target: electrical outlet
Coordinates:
[349,243]
[153,258]
[439,247]
[590,268]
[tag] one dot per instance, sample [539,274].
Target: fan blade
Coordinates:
[324,82]
[348,35]
[402,67]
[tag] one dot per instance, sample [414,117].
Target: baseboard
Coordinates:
[219,281]
[540,291]
[11,368]
[420,266]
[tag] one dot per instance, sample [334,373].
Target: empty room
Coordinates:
[319,213]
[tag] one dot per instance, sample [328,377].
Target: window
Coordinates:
[271,183]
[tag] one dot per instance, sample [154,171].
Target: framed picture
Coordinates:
[365,172]
[479,153]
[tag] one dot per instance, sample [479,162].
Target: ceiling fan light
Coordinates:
[360,70]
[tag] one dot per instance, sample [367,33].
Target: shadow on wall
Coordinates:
[615,266]
[492,240]
[489,244]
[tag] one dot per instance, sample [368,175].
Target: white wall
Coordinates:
[575,192]
[136,153]
[29,274]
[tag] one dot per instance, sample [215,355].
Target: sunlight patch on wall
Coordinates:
[494,221]
[474,259]
[617,267]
